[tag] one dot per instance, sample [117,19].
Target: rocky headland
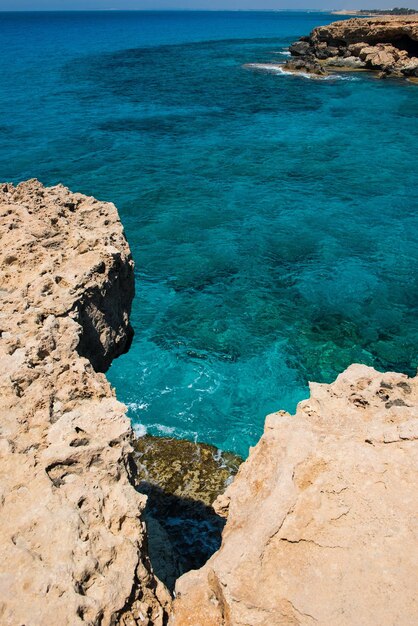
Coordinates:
[320,519]
[387,45]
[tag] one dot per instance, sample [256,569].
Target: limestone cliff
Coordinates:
[322,516]
[388,44]
[73,544]
[321,521]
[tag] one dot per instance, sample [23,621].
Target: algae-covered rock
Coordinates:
[185,469]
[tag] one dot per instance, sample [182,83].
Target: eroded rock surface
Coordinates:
[388,44]
[322,516]
[73,544]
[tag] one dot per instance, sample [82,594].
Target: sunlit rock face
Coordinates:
[72,534]
[321,516]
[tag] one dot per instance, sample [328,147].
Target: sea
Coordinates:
[273,219]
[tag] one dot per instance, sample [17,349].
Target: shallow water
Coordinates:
[273,219]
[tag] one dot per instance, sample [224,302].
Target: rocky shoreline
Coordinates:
[387,45]
[321,518]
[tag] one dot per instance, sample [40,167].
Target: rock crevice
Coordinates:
[321,518]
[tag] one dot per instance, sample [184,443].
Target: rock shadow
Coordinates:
[183,533]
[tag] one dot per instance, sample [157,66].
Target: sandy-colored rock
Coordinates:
[387,44]
[322,516]
[73,544]
[371,30]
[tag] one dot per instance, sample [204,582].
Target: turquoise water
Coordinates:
[273,219]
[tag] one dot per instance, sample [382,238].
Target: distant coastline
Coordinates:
[375,12]
[387,44]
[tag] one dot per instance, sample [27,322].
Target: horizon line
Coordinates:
[177,10]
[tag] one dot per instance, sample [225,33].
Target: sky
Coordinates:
[42,5]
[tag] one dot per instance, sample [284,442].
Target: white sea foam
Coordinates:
[277,69]
[137,406]
[166,430]
[273,68]
[139,429]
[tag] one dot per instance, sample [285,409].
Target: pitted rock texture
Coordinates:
[388,44]
[322,516]
[73,542]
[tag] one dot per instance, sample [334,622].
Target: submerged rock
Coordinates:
[72,533]
[322,515]
[388,44]
[196,471]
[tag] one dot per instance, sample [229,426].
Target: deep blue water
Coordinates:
[273,219]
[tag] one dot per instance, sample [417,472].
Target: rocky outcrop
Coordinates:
[72,534]
[322,516]
[388,44]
